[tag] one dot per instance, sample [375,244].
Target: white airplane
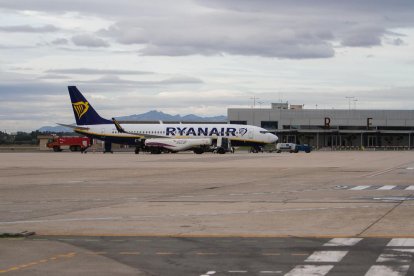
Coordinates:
[157,138]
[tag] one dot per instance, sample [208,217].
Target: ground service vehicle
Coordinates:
[290,147]
[306,148]
[73,143]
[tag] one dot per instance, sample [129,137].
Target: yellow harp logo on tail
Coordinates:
[80,108]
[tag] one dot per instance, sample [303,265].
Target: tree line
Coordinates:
[25,138]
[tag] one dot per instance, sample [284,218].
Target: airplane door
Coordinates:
[250,134]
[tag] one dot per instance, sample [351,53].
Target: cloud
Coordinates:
[114,79]
[282,29]
[2,46]
[181,80]
[296,29]
[191,54]
[397,42]
[53,77]
[94,71]
[29,90]
[28,29]
[89,41]
[246,35]
[60,41]
[363,36]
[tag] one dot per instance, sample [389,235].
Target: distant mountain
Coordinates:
[155,115]
[55,129]
[152,115]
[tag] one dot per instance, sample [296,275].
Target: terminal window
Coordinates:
[269,124]
[238,122]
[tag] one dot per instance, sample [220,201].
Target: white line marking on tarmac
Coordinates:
[326,256]
[380,172]
[343,242]
[401,242]
[409,250]
[358,188]
[397,257]
[410,188]
[310,270]
[383,270]
[237,271]
[209,273]
[387,187]
[129,253]
[410,168]
[394,198]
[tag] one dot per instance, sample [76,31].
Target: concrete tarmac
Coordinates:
[72,255]
[321,195]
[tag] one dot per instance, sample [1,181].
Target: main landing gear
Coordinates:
[108,147]
[256,149]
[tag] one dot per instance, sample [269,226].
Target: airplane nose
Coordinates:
[272,138]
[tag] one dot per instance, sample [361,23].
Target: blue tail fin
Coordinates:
[84,112]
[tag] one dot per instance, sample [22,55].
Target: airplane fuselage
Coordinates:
[238,134]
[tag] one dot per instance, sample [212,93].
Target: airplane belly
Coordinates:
[176,144]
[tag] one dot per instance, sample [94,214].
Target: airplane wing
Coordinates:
[73,126]
[120,129]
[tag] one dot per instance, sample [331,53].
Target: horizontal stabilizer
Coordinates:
[73,126]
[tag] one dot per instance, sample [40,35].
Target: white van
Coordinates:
[290,147]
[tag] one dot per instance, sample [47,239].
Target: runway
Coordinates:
[209,199]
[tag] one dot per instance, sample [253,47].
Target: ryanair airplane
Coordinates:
[157,138]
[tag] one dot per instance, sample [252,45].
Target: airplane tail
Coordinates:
[84,112]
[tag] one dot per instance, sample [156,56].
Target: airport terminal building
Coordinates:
[332,128]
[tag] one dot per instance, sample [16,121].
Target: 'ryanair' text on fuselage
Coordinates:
[202,131]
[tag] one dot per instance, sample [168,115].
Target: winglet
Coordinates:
[118,126]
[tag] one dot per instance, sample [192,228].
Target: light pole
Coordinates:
[349,101]
[355,103]
[254,98]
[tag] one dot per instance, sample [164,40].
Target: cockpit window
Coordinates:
[264,131]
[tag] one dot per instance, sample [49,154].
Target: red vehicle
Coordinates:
[73,143]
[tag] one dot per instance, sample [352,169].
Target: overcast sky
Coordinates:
[200,57]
